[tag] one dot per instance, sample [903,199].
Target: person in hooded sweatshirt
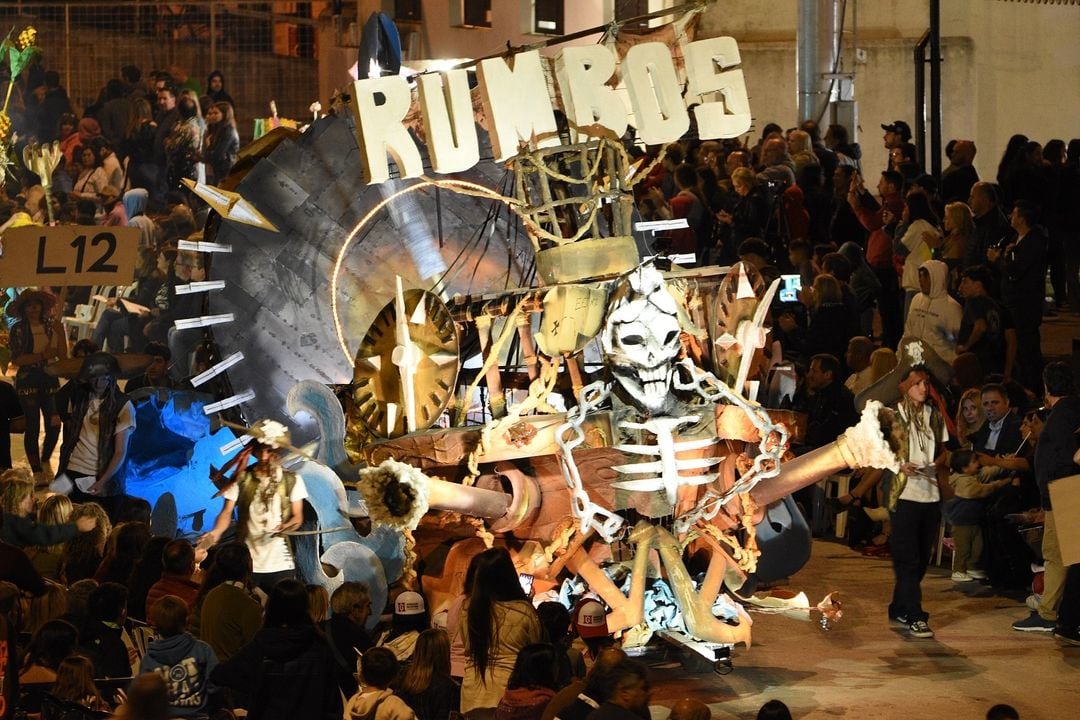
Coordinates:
[184,662]
[376,701]
[288,670]
[934,316]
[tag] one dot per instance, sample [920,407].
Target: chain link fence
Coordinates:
[265,50]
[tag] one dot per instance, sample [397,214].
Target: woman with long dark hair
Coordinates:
[531,686]
[1012,160]
[36,339]
[184,143]
[91,178]
[498,623]
[222,142]
[142,172]
[426,685]
[75,684]
[52,642]
[146,571]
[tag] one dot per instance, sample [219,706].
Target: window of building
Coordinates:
[470,13]
[407,10]
[547,17]
[626,9]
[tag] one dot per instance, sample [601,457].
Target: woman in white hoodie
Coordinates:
[920,237]
[934,316]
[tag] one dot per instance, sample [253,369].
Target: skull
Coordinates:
[641,340]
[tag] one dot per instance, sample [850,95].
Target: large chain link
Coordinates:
[771,446]
[569,436]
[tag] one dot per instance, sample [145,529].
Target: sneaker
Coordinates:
[1069,637]
[920,629]
[1034,623]
[899,620]
[960,577]
[977,574]
[1032,602]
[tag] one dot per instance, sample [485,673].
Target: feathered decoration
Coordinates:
[395,494]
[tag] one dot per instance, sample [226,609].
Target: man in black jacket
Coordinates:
[1057,445]
[991,226]
[1023,268]
[830,408]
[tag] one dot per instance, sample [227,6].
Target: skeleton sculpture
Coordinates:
[666,396]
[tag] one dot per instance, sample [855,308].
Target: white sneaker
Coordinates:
[977,574]
[961,577]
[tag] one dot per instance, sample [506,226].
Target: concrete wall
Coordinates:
[1009,67]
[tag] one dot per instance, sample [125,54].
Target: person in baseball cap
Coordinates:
[590,623]
[409,620]
[896,133]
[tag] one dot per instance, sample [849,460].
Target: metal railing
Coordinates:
[266,50]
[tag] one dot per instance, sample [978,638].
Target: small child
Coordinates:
[182,661]
[376,701]
[965,512]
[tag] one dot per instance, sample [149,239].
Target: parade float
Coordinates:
[443,284]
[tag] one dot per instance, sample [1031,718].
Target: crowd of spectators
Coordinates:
[959,263]
[124,154]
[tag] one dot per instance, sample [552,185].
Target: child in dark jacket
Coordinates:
[965,513]
[184,662]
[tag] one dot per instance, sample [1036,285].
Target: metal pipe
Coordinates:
[67,48]
[935,88]
[920,97]
[815,56]
[465,499]
[213,36]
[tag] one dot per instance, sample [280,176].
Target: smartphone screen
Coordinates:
[789,288]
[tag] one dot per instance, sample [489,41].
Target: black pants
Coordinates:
[914,535]
[266,581]
[109,503]
[1029,351]
[37,393]
[9,408]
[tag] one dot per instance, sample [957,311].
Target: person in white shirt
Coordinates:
[100,421]
[269,501]
[915,499]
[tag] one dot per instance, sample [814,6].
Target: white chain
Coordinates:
[588,513]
